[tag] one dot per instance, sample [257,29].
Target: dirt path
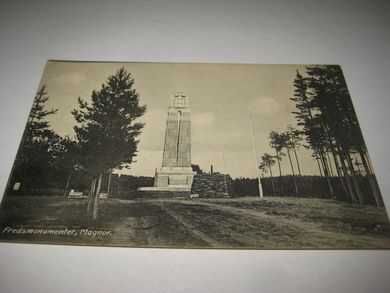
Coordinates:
[155,225]
[192,229]
[311,234]
[202,223]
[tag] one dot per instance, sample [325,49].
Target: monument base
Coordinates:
[172,179]
[168,188]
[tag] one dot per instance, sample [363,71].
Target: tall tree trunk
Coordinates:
[109,185]
[339,172]
[347,177]
[329,164]
[357,164]
[91,197]
[96,203]
[376,184]
[355,180]
[67,184]
[336,163]
[326,172]
[302,182]
[272,180]
[369,164]
[319,166]
[296,159]
[293,173]
[280,172]
[336,149]
[370,176]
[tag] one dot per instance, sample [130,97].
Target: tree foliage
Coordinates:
[330,127]
[197,169]
[35,156]
[267,161]
[107,129]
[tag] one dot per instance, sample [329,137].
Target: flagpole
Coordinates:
[256,159]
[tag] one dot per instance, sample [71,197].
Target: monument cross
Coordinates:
[179,100]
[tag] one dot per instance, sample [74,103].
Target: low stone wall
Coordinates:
[212,185]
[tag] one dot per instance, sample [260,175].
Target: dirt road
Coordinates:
[270,223]
[254,223]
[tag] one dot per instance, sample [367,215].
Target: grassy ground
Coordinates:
[271,223]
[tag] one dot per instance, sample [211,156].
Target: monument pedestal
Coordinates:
[172,179]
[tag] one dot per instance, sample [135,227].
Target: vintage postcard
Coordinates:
[187,155]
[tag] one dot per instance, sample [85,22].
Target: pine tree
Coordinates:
[34,159]
[309,117]
[277,143]
[331,129]
[336,113]
[107,130]
[288,143]
[267,161]
[294,141]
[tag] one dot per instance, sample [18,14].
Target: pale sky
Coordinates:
[222,97]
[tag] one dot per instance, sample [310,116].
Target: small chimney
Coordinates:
[211,169]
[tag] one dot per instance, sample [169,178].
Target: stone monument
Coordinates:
[176,172]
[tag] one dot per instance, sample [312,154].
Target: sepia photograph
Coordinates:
[194,155]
